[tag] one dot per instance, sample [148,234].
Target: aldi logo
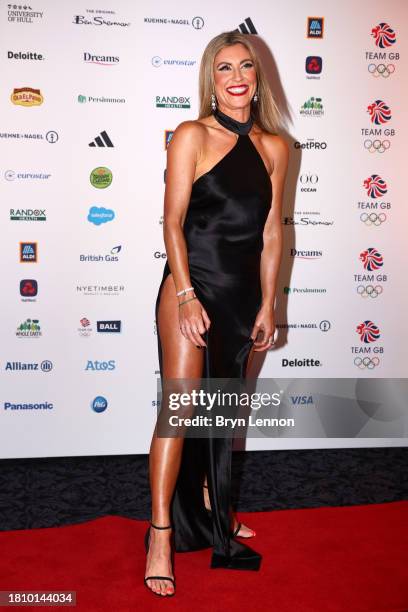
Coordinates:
[315,27]
[28,252]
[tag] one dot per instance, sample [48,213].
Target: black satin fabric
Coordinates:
[239,127]
[223,230]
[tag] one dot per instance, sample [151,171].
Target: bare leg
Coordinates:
[181,359]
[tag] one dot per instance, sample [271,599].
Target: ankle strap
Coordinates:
[158,527]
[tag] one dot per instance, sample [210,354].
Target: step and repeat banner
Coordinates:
[91,93]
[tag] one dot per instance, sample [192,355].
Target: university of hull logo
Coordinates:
[384,35]
[368,332]
[26,96]
[102,140]
[375,186]
[28,252]
[101,177]
[246,27]
[379,112]
[372,259]
[315,26]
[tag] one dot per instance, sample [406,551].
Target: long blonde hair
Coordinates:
[265,112]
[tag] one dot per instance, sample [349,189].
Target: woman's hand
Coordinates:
[264,325]
[194,320]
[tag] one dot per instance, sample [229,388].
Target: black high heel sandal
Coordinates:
[234,533]
[147,544]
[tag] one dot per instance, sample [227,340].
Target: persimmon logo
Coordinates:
[27,96]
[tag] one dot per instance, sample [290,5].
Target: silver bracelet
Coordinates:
[184,291]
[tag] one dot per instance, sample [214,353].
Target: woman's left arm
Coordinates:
[272,249]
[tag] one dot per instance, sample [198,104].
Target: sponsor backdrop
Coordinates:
[91,93]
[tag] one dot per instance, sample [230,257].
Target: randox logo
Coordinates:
[101,177]
[27,96]
[27,214]
[172,102]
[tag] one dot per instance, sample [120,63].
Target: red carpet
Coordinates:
[349,559]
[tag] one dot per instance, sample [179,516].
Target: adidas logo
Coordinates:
[102,140]
[247,27]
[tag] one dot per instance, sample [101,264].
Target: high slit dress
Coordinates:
[223,230]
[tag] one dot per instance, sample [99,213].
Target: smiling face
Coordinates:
[234,78]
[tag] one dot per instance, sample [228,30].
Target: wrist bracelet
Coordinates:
[189,300]
[184,291]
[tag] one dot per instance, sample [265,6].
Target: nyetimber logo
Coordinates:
[102,140]
[384,36]
[246,27]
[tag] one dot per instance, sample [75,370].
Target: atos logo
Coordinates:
[372,259]
[368,332]
[314,64]
[375,186]
[384,35]
[100,365]
[99,404]
[379,112]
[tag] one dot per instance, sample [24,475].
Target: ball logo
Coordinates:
[99,404]
[101,177]
[372,259]
[384,35]
[368,332]
[375,186]
[379,112]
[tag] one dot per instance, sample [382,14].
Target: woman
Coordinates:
[215,305]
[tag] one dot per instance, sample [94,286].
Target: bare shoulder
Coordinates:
[188,133]
[276,147]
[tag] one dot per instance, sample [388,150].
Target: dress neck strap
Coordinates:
[233,125]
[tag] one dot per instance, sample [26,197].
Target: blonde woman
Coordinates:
[215,305]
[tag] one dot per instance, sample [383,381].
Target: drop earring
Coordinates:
[213,102]
[255,98]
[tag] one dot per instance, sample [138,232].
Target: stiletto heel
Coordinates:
[234,534]
[146,578]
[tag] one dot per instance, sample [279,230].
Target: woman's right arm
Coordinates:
[183,154]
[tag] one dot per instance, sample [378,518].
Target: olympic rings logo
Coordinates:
[377,145]
[381,70]
[369,291]
[373,218]
[366,362]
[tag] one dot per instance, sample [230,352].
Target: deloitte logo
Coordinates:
[99,404]
[101,177]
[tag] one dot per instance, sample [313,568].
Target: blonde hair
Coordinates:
[265,112]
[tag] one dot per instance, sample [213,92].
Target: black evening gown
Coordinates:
[223,229]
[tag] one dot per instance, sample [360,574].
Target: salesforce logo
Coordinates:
[99,404]
[98,215]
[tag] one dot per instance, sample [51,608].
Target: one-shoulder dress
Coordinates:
[223,230]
